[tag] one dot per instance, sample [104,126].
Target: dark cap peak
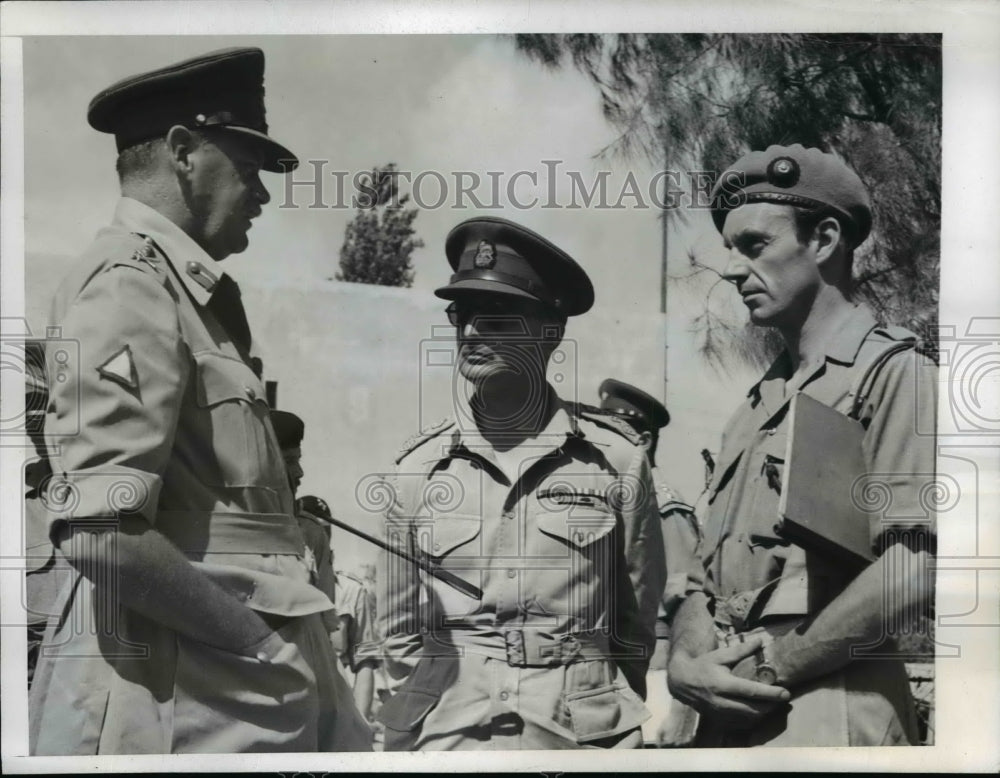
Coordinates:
[220,89]
[497,256]
[637,407]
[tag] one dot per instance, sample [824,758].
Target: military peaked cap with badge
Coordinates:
[632,404]
[495,256]
[289,428]
[797,176]
[219,90]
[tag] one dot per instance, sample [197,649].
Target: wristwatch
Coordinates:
[764,672]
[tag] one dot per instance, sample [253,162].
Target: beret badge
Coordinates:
[783,172]
[486,255]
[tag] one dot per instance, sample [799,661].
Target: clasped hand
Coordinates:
[716,683]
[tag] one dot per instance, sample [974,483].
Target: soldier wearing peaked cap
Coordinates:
[170,498]
[681,536]
[778,665]
[546,507]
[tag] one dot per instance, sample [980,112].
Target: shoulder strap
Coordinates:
[863,386]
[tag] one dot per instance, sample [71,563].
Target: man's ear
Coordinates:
[827,235]
[181,142]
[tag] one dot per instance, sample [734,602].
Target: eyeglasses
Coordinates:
[494,316]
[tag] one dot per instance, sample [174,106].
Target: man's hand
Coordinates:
[707,683]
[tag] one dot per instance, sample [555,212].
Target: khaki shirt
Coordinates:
[154,410]
[743,551]
[164,417]
[757,575]
[357,625]
[570,544]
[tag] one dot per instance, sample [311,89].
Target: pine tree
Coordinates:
[379,241]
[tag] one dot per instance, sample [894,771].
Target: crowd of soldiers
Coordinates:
[187,599]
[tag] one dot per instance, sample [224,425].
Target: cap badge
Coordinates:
[783,172]
[486,255]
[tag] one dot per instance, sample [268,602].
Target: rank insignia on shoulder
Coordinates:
[204,277]
[120,368]
[417,440]
[146,253]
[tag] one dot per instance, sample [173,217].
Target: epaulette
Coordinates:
[609,421]
[427,433]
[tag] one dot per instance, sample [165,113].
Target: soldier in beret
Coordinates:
[772,660]
[202,631]
[681,536]
[545,506]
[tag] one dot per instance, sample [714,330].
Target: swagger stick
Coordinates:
[424,564]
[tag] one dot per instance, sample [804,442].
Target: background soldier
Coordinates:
[549,509]
[791,218]
[202,632]
[290,430]
[356,626]
[681,535]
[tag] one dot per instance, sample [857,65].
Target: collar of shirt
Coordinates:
[842,346]
[181,251]
[470,443]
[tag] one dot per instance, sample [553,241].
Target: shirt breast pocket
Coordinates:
[576,526]
[233,416]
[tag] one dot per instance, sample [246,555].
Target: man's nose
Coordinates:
[736,268]
[263,196]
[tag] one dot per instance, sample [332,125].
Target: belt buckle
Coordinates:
[567,649]
[514,643]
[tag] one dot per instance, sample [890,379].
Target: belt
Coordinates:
[527,647]
[769,631]
[208,532]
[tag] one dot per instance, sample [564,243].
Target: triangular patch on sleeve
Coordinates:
[121,369]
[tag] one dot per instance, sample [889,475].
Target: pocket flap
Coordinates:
[579,526]
[221,378]
[446,533]
[406,709]
[604,711]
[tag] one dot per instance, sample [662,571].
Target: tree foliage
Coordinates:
[380,239]
[700,101]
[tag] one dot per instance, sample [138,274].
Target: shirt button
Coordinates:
[249,391]
[262,656]
[504,695]
[771,431]
[508,514]
[512,573]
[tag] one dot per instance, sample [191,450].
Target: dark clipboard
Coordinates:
[823,462]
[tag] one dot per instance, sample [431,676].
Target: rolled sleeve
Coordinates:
[112,417]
